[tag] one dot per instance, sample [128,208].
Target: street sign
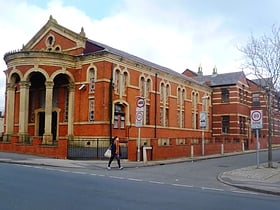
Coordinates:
[203,121]
[140,104]
[256,119]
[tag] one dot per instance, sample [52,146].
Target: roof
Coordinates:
[94,47]
[220,79]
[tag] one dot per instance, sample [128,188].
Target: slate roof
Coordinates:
[220,79]
[263,82]
[94,46]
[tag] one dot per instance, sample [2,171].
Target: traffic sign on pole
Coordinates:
[256,119]
[140,104]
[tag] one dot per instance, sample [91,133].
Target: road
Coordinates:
[177,186]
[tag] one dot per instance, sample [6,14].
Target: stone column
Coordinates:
[23,111]
[47,137]
[71,109]
[10,110]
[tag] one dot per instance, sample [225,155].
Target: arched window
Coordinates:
[142,86]
[117,80]
[162,92]
[119,116]
[124,82]
[91,80]
[148,88]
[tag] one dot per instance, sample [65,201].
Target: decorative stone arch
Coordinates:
[13,72]
[35,69]
[92,66]
[14,81]
[70,76]
[148,78]
[125,71]
[91,78]
[116,77]
[127,110]
[141,83]
[167,85]
[68,108]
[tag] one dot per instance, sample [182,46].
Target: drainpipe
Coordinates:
[155,129]
[111,103]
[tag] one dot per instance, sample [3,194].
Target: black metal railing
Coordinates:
[91,148]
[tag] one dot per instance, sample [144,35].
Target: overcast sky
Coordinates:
[177,34]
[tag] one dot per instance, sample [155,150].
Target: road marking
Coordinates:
[182,185]
[79,172]
[156,182]
[137,180]
[140,180]
[116,177]
[211,188]
[61,170]
[245,192]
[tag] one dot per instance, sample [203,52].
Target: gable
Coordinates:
[55,38]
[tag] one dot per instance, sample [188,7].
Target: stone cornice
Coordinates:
[39,58]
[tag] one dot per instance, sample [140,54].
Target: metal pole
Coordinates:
[138,145]
[155,128]
[258,149]
[202,141]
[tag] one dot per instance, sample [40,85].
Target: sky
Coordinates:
[178,34]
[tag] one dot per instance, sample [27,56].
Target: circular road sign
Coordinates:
[256,115]
[140,102]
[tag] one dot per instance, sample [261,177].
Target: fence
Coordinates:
[90,148]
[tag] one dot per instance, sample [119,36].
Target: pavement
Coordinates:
[258,179]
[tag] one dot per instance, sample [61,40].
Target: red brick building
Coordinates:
[233,98]
[63,88]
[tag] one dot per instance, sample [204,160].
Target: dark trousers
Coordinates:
[117,158]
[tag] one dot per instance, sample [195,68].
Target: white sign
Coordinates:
[140,104]
[256,119]
[203,121]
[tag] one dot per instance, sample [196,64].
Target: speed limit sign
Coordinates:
[256,119]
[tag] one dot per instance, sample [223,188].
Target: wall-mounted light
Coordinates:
[83,86]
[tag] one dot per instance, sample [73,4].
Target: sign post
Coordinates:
[203,125]
[257,123]
[140,105]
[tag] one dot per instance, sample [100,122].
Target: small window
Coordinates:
[225,95]
[256,99]
[119,116]
[91,110]
[57,48]
[242,125]
[225,124]
[50,40]
[91,80]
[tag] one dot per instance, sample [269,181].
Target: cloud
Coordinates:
[168,33]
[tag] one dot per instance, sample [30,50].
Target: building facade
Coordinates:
[62,86]
[64,90]
[233,98]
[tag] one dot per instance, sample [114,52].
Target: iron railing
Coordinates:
[91,148]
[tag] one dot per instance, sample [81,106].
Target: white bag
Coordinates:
[108,153]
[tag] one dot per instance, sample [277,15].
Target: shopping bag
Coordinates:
[107,153]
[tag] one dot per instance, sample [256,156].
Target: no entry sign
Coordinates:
[256,119]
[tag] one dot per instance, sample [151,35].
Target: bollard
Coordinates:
[222,149]
[192,152]
[243,146]
[145,154]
